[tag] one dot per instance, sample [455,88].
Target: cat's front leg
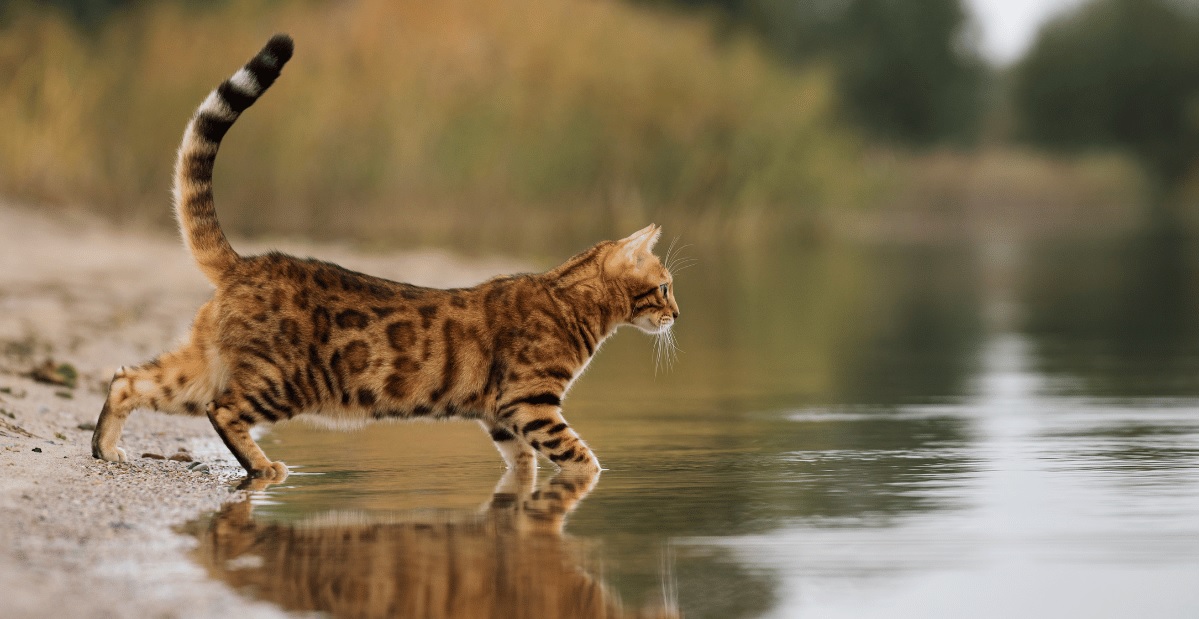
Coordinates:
[546,430]
[517,452]
[231,415]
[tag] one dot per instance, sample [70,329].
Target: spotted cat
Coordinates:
[285,336]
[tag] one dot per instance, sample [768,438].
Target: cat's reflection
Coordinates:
[510,559]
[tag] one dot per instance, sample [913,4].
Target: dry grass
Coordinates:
[475,122]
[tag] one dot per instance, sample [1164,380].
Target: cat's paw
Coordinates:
[112,454]
[276,472]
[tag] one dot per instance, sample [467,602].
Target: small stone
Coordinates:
[181,457]
[60,436]
[153,456]
[198,467]
[62,374]
[37,450]
[87,425]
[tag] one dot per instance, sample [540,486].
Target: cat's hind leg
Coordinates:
[178,382]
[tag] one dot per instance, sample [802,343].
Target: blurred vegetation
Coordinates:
[908,72]
[1004,192]
[1117,74]
[451,121]
[545,124]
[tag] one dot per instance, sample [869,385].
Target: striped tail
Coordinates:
[194,205]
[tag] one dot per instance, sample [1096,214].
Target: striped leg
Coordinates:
[546,431]
[517,452]
[177,383]
[233,416]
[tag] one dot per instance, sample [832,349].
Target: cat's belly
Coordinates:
[342,418]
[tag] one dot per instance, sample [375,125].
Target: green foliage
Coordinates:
[1117,73]
[907,69]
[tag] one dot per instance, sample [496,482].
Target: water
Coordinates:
[987,431]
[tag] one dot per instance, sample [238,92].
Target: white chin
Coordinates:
[651,328]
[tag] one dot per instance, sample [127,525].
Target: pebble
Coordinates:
[153,456]
[87,425]
[181,457]
[37,449]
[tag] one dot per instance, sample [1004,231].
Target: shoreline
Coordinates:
[87,538]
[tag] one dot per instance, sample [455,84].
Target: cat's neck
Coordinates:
[597,310]
[584,294]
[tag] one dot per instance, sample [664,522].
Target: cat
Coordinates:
[284,336]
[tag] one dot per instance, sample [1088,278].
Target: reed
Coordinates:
[451,121]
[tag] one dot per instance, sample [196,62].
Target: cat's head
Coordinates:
[632,265]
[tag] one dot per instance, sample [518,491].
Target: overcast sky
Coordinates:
[1009,26]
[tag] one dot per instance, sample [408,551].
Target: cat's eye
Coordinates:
[664,288]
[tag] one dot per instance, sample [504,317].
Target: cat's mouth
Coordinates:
[654,326]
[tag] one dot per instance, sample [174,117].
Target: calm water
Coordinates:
[992,431]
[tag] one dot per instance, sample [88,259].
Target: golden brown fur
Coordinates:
[285,336]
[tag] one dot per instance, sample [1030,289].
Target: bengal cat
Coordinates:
[285,336]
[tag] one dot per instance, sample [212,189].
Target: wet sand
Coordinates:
[86,538]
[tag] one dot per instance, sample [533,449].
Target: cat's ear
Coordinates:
[640,243]
[655,234]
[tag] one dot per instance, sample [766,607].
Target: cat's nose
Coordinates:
[676,314]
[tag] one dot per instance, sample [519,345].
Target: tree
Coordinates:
[908,70]
[1117,73]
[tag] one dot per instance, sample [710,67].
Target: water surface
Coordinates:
[985,431]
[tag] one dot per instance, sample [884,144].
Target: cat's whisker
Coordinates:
[657,353]
[680,260]
[666,350]
[675,256]
[670,259]
[670,249]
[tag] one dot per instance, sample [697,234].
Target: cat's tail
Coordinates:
[194,207]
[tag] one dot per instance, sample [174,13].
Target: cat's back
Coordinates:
[289,301]
[275,306]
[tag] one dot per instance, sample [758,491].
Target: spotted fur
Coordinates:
[285,336]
